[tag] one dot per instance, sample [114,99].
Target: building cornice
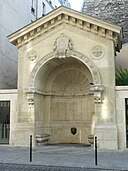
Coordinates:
[71,17]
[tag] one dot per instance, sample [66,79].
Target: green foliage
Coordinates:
[121,77]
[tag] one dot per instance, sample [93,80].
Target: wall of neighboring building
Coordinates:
[65,3]
[115,12]
[11,95]
[45,6]
[121,94]
[122,57]
[14,15]
[41,7]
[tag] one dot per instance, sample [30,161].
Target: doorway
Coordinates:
[4,122]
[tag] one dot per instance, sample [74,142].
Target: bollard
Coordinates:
[30,148]
[95,150]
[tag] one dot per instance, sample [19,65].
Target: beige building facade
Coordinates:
[66,81]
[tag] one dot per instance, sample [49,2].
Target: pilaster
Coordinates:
[105,127]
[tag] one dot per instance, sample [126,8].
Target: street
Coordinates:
[29,167]
[62,158]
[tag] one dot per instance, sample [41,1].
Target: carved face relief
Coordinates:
[62,46]
[73,131]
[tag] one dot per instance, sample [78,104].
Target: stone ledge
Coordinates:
[8,91]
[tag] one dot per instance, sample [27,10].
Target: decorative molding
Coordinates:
[62,46]
[30,94]
[87,24]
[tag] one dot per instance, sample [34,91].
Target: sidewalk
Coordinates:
[66,155]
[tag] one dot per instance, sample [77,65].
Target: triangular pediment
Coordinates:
[71,17]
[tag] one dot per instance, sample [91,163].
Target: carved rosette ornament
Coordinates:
[32,56]
[97,89]
[62,46]
[97,52]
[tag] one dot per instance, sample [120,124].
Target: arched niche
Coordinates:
[63,99]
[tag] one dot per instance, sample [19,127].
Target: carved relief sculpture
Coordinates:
[97,89]
[62,46]
[30,98]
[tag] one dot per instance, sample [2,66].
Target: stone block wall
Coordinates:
[112,11]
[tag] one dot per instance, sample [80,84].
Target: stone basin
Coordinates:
[42,138]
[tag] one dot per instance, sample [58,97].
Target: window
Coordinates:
[32,7]
[4,112]
[43,9]
[50,2]
[4,122]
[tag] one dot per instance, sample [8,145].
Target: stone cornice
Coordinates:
[71,17]
[32,91]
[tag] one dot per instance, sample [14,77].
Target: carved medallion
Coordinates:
[62,46]
[97,52]
[32,56]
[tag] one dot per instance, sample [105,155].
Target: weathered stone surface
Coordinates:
[112,11]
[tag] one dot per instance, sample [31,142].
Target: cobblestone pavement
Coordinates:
[21,167]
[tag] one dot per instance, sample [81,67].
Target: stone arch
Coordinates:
[84,59]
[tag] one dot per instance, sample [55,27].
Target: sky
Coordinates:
[76,4]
